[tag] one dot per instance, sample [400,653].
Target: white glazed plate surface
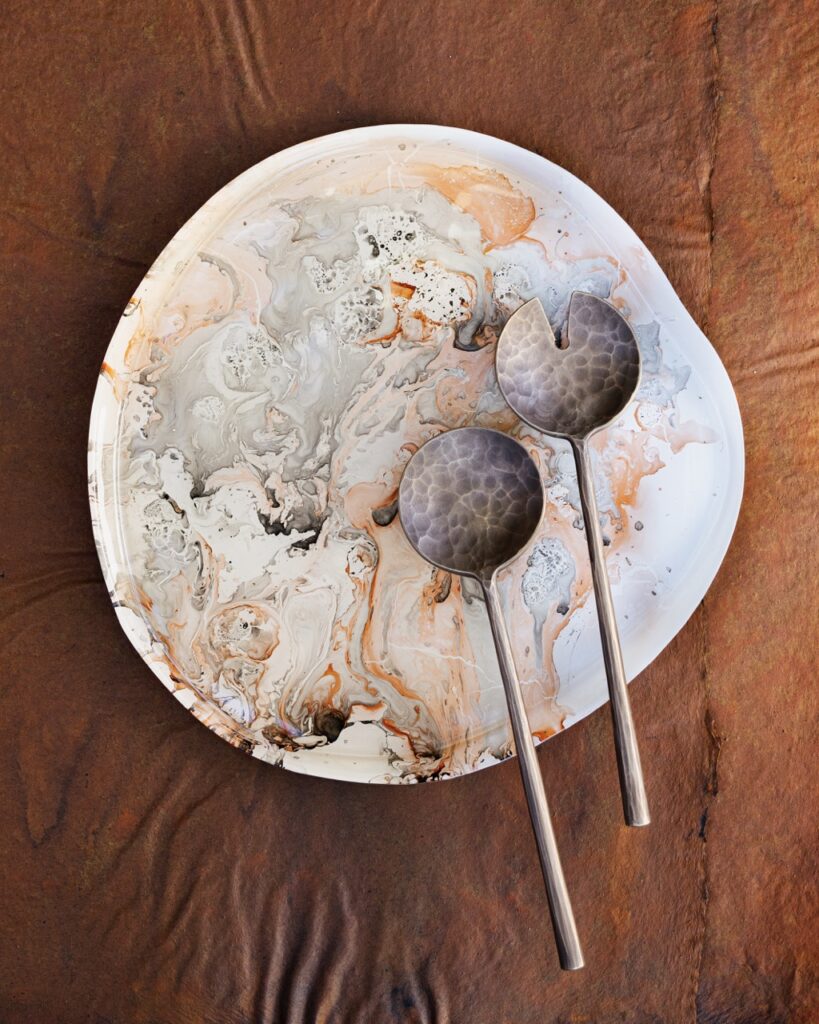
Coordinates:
[318,319]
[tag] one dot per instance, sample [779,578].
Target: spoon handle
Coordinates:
[560,907]
[632,786]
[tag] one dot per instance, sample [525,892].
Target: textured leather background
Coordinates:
[150,873]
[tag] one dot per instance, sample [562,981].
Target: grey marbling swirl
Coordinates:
[470,499]
[570,391]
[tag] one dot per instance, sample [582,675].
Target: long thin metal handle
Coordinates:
[632,786]
[560,907]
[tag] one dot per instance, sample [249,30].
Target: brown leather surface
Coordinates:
[149,872]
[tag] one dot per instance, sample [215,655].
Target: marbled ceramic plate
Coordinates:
[313,323]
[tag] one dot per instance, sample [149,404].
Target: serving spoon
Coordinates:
[469,501]
[572,391]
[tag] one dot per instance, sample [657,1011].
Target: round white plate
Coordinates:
[317,319]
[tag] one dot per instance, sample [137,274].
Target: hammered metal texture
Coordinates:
[573,390]
[470,499]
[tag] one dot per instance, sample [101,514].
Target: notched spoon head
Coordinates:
[470,500]
[577,389]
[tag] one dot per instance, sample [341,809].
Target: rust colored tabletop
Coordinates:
[151,873]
